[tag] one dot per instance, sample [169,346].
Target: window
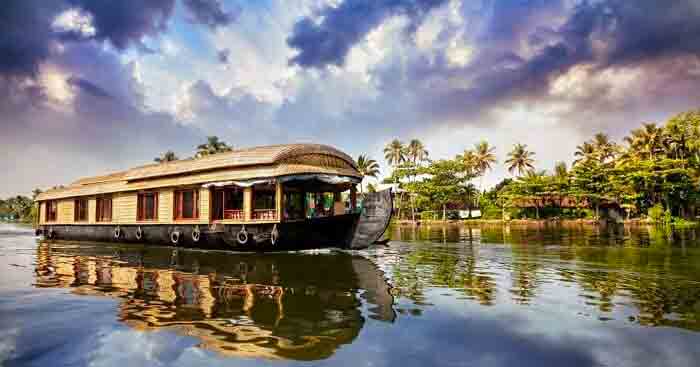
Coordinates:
[264,202]
[227,203]
[147,206]
[80,210]
[51,210]
[186,204]
[104,209]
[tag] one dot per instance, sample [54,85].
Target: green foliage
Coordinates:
[656,213]
[18,207]
[168,156]
[212,146]
[656,166]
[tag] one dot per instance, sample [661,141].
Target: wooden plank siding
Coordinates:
[65,211]
[124,208]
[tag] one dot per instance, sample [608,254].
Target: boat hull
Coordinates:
[333,231]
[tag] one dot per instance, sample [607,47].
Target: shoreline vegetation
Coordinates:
[535,222]
[651,176]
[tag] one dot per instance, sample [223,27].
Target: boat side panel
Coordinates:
[312,233]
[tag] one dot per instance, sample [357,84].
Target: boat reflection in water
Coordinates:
[296,306]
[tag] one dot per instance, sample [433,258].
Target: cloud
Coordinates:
[83,115]
[223,55]
[25,36]
[210,13]
[328,41]
[88,87]
[126,22]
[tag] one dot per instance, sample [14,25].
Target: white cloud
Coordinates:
[76,21]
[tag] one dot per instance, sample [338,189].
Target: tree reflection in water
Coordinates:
[641,274]
[275,306]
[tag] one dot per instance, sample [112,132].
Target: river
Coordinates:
[448,295]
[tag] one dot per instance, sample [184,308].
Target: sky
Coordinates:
[90,87]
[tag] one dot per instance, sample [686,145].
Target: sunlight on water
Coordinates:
[450,295]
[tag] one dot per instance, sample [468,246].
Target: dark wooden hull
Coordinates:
[341,231]
[306,234]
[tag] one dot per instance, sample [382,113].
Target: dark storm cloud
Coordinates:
[125,22]
[24,35]
[646,29]
[223,55]
[605,34]
[210,13]
[341,27]
[88,87]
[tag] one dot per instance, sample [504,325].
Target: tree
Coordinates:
[212,146]
[584,152]
[520,159]
[445,184]
[367,167]
[560,170]
[605,149]
[168,156]
[395,153]
[646,141]
[469,162]
[484,156]
[416,152]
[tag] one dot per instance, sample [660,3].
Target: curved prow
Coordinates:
[377,208]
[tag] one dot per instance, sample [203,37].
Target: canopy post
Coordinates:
[278,199]
[353,198]
[247,203]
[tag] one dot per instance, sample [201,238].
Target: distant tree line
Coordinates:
[19,208]
[212,146]
[653,172]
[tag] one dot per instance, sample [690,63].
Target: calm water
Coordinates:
[453,296]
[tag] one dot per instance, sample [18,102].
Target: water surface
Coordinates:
[436,295]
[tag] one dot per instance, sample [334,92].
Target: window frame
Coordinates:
[51,215]
[78,204]
[141,207]
[178,204]
[99,210]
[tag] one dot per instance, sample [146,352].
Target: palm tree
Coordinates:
[367,167]
[520,159]
[484,156]
[416,151]
[560,170]
[468,159]
[604,147]
[168,156]
[395,152]
[646,141]
[584,152]
[212,146]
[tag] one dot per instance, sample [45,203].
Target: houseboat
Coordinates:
[280,197]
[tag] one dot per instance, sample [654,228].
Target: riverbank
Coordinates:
[536,222]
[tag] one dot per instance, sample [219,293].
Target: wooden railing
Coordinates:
[264,214]
[235,214]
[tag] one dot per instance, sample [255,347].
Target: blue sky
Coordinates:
[90,87]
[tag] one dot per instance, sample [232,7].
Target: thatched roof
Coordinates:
[256,162]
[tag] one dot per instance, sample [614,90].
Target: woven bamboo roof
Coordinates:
[256,162]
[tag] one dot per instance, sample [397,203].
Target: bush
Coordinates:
[656,213]
[491,212]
